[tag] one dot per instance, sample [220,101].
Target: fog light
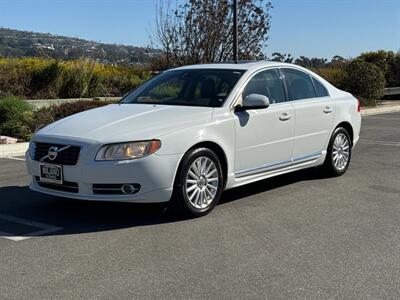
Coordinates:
[128,189]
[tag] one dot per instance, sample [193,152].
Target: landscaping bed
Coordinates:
[20,119]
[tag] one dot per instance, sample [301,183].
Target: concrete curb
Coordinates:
[10,150]
[380,110]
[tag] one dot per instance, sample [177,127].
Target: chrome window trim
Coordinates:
[311,77]
[237,97]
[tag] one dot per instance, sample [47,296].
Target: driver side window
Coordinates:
[267,83]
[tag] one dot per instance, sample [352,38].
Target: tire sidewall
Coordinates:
[329,161]
[180,182]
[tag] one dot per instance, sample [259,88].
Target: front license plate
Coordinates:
[51,173]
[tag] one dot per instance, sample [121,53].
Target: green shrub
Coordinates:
[14,78]
[41,117]
[13,108]
[15,118]
[37,78]
[46,82]
[366,81]
[19,120]
[77,79]
[18,129]
[388,62]
[335,76]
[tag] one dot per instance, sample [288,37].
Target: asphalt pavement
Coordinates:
[299,235]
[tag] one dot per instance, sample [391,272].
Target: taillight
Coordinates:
[358,105]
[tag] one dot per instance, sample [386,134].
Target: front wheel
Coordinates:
[199,183]
[339,153]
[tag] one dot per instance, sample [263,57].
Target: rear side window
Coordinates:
[267,83]
[320,89]
[299,84]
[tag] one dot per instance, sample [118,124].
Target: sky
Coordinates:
[313,28]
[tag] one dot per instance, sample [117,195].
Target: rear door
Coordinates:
[314,111]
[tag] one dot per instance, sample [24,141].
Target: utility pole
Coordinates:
[235,32]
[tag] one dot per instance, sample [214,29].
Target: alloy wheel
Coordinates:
[202,182]
[341,151]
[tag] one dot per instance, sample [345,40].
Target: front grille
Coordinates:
[113,189]
[67,157]
[66,186]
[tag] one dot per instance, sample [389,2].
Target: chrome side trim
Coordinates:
[278,165]
[106,189]
[309,156]
[263,168]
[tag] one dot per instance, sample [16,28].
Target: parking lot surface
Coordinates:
[299,235]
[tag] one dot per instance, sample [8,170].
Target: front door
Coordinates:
[264,137]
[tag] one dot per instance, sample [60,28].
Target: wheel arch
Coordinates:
[346,125]
[217,149]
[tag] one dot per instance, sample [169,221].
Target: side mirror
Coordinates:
[254,101]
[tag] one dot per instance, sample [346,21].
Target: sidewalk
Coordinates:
[383,107]
[12,150]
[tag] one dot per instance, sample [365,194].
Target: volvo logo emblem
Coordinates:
[52,153]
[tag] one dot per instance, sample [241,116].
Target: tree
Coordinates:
[378,58]
[287,58]
[311,62]
[200,31]
[338,61]
[365,80]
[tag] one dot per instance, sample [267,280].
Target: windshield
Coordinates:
[196,87]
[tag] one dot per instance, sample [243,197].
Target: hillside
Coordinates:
[17,43]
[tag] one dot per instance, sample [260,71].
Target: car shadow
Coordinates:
[75,217]
[270,184]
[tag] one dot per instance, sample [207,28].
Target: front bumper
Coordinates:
[155,174]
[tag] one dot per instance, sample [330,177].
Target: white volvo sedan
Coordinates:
[192,132]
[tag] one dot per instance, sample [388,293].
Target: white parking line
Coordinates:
[383,143]
[44,228]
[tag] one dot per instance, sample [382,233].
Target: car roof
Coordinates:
[246,65]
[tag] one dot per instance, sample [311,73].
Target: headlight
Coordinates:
[129,150]
[32,149]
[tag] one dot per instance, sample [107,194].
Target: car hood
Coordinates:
[127,122]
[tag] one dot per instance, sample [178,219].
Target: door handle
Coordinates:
[285,117]
[327,110]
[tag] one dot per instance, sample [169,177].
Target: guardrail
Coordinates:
[392,91]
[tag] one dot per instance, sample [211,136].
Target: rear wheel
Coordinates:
[198,184]
[339,153]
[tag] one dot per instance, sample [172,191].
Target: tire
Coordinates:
[338,155]
[196,193]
